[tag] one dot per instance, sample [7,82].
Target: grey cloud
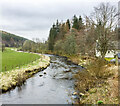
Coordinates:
[28,17]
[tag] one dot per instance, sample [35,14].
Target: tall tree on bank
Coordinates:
[103,19]
[80,23]
[68,24]
[52,36]
[75,22]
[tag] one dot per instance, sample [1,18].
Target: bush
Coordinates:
[91,77]
[98,70]
[70,46]
[84,81]
[58,47]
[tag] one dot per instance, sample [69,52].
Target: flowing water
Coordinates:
[54,85]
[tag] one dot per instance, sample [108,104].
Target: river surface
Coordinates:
[55,86]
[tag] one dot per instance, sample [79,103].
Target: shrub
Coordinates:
[70,46]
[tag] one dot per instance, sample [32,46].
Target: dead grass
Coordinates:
[98,83]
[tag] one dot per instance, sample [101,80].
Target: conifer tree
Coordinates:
[57,26]
[68,23]
[52,36]
[75,22]
[80,23]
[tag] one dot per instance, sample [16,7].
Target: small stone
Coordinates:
[75,93]
[44,73]
[81,94]
[93,90]
[40,75]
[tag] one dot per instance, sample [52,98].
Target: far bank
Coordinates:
[15,77]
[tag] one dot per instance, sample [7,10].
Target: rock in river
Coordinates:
[44,73]
[40,75]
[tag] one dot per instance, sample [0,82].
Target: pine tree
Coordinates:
[52,36]
[75,22]
[68,23]
[62,31]
[80,23]
[57,26]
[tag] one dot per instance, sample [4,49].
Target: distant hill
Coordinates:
[11,40]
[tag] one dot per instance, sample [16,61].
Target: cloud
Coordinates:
[25,17]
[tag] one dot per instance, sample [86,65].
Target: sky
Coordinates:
[34,18]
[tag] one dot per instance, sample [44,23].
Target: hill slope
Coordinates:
[11,40]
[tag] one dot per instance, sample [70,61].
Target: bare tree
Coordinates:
[104,21]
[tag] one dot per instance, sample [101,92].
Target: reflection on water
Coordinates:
[54,87]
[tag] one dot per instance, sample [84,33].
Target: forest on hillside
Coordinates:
[11,40]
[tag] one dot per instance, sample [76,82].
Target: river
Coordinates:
[54,85]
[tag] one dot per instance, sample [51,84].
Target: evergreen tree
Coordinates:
[75,22]
[68,23]
[80,23]
[62,31]
[52,36]
[57,26]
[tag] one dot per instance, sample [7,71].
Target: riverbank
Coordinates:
[96,86]
[52,86]
[13,78]
[98,83]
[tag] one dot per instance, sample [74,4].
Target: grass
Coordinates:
[11,79]
[12,59]
[99,83]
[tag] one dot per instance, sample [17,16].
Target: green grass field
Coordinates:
[12,59]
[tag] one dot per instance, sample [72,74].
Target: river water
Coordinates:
[54,85]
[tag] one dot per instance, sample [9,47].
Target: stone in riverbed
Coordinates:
[93,90]
[44,73]
[75,93]
[81,94]
[75,97]
[40,75]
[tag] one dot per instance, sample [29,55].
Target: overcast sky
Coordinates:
[33,18]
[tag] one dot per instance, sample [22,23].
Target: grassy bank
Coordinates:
[12,59]
[98,84]
[16,77]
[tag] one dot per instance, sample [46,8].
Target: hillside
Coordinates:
[11,40]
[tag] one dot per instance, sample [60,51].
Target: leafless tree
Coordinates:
[104,21]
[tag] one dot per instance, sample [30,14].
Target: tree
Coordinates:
[70,46]
[75,22]
[80,23]
[3,47]
[12,42]
[62,31]
[58,47]
[27,46]
[52,36]
[90,37]
[68,24]
[104,21]
[57,26]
